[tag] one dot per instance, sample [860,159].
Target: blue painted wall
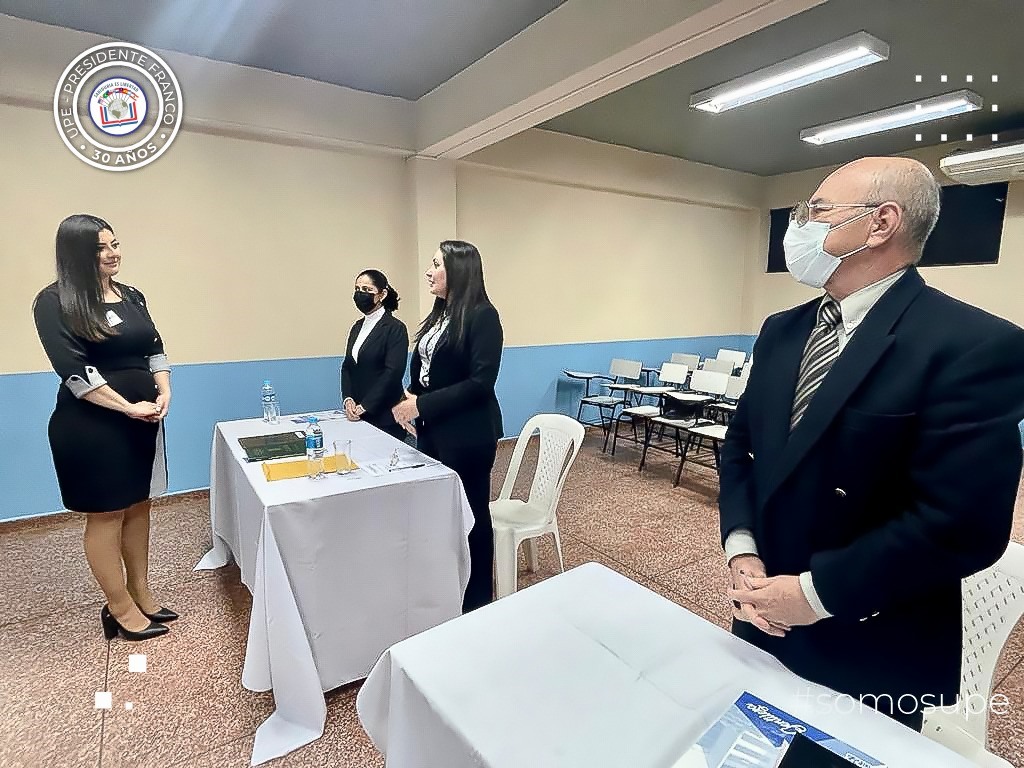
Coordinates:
[530,382]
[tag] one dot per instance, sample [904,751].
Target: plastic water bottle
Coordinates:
[314,449]
[271,410]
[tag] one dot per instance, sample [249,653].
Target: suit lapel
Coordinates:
[372,335]
[862,353]
[374,331]
[353,335]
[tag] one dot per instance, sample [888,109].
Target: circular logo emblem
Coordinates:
[118,106]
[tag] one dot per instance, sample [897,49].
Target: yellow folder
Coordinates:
[289,470]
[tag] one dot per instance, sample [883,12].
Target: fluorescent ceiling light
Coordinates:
[923,111]
[830,60]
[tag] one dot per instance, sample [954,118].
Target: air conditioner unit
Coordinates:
[986,166]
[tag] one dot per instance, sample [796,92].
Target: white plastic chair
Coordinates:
[516,521]
[629,371]
[671,376]
[993,602]
[736,356]
[710,383]
[735,388]
[674,375]
[684,358]
[717,365]
[619,369]
[733,392]
[707,387]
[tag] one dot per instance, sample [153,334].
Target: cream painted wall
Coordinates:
[993,287]
[213,230]
[568,264]
[259,198]
[621,244]
[559,158]
[252,204]
[433,185]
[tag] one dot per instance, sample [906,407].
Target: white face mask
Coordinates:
[806,257]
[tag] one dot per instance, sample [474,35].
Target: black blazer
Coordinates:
[460,407]
[375,382]
[898,482]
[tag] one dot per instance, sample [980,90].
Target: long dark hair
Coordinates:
[78,276]
[380,282]
[465,277]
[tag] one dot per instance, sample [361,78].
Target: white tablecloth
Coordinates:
[590,670]
[339,568]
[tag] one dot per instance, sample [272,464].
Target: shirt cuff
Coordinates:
[807,585]
[158,363]
[81,387]
[740,542]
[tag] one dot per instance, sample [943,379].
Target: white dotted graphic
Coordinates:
[944,79]
[129,706]
[104,700]
[137,662]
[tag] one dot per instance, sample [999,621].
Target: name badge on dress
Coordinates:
[113,319]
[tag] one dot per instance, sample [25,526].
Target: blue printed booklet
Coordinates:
[754,734]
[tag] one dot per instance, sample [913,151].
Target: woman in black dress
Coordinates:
[451,398]
[106,431]
[375,357]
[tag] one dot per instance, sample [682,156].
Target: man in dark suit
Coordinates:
[874,459]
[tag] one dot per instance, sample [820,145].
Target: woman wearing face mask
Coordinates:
[452,402]
[105,432]
[378,347]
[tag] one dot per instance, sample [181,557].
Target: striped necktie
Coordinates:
[821,352]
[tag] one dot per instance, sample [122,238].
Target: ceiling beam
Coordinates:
[576,54]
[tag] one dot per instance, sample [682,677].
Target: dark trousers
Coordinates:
[473,465]
[395,430]
[888,705]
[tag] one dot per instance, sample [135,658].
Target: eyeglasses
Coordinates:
[801,212]
[366,289]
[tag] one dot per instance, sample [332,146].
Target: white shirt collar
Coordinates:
[374,317]
[856,306]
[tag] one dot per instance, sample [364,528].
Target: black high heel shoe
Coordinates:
[163,615]
[111,627]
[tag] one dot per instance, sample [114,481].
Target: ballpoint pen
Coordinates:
[407,466]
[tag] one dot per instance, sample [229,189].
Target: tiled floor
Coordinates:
[189,709]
